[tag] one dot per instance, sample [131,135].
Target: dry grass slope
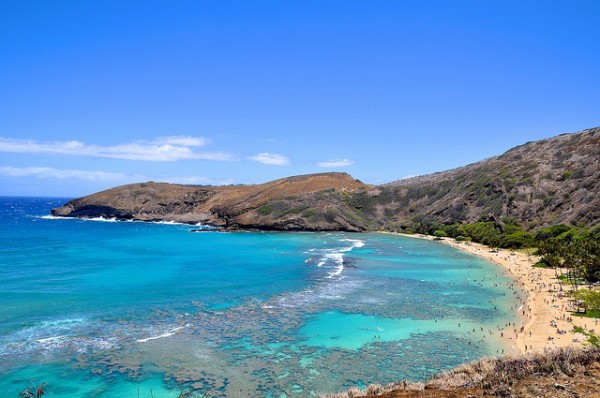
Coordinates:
[551,181]
[566,372]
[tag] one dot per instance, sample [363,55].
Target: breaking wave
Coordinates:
[333,259]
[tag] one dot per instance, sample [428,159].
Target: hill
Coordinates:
[294,203]
[537,184]
[540,183]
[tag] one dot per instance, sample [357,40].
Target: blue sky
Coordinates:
[98,94]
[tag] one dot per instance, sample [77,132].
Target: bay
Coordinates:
[99,308]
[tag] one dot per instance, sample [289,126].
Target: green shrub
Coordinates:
[309,213]
[517,240]
[440,234]
[592,337]
[591,298]
[566,175]
[265,210]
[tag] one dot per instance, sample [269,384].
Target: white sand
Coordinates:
[546,309]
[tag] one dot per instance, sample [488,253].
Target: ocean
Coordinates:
[101,308]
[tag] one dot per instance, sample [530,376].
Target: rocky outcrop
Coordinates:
[310,202]
[536,184]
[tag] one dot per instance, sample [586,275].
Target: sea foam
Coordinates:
[333,258]
[160,336]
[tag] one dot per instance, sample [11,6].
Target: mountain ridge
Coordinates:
[536,184]
[555,180]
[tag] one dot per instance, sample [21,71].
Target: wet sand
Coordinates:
[546,314]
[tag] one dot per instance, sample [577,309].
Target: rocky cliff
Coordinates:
[537,184]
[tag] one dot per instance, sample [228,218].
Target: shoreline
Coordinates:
[546,319]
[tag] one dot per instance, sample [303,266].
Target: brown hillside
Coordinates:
[540,183]
[302,198]
[537,184]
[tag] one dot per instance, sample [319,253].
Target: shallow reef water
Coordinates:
[114,309]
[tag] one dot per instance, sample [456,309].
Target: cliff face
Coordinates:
[536,184]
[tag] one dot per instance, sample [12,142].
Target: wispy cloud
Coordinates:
[164,149]
[183,140]
[62,174]
[103,176]
[336,163]
[271,159]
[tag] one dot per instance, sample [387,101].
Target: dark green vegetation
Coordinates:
[592,338]
[577,251]
[591,298]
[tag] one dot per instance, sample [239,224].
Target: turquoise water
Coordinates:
[116,309]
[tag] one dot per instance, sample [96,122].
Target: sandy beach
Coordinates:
[546,317]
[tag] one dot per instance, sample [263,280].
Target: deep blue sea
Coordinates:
[98,308]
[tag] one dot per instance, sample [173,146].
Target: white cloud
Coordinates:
[271,159]
[165,149]
[336,163]
[183,140]
[61,174]
[103,176]
[148,152]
